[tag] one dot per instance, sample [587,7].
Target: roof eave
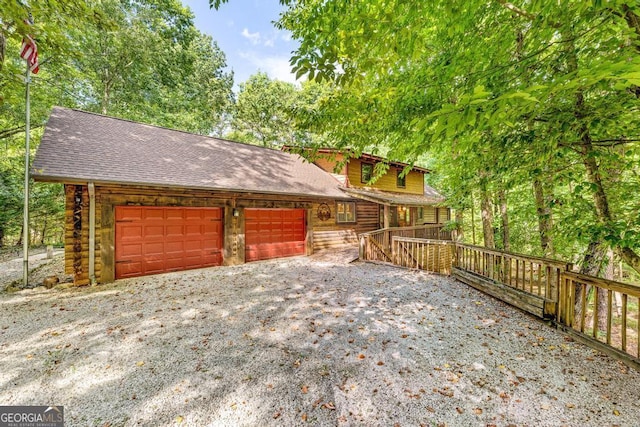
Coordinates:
[68,180]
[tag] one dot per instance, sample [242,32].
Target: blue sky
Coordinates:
[245,33]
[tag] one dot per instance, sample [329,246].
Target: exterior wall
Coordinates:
[328,233]
[444,215]
[414,180]
[319,233]
[76,234]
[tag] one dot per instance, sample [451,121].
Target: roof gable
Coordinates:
[78,146]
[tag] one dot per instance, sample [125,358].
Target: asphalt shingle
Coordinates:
[78,146]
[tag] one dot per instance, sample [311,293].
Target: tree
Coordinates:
[263,112]
[524,92]
[140,59]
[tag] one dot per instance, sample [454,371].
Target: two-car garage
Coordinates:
[159,239]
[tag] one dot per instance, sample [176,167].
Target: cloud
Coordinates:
[254,38]
[276,67]
[266,40]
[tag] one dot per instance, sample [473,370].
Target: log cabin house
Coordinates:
[143,199]
[404,199]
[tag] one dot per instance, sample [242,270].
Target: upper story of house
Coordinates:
[361,172]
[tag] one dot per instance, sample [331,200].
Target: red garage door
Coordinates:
[151,240]
[274,233]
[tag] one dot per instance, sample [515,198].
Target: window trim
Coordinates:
[404,179]
[344,221]
[362,165]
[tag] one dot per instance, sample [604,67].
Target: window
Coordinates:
[401,181]
[366,172]
[420,212]
[346,212]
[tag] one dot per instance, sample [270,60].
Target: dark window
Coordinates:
[366,172]
[401,181]
[346,212]
[420,212]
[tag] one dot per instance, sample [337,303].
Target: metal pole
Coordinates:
[25,224]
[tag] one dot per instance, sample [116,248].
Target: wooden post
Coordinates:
[309,228]
[386,218]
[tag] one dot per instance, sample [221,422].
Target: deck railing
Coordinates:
[376,245]
[533,275]
[602,313]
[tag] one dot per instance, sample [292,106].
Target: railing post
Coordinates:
[361,251]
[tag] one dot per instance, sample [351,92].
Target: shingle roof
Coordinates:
[78,147]
[431,196]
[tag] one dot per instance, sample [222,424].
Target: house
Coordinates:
[403,198]
[143,199]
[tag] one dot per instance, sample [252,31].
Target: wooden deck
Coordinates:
[546,288]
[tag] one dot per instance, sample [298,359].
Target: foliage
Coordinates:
[142,60]
[501,95]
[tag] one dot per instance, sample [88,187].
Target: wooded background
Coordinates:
[527,111]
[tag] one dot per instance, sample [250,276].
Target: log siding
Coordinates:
[320,233]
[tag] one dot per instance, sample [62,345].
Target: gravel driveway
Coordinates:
[301,341]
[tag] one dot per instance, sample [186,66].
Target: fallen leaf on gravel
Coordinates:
[380,363]
[477,411]
[430,409]
[140,363]
[329,405]
[276,415]
[570,405]
[305,389]
[361,356]
[460,410]
[616,412]
[504,395]
[304,417]
[179,419]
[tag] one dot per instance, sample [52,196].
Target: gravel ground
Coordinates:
[301,341]
[40,267]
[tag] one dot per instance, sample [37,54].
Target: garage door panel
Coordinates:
[155,239]
[153,214]
[131,250]
[274,233]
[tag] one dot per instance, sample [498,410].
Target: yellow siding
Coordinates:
[414,180]
[429,215]
[443,215]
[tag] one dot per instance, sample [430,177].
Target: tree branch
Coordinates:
[517,10]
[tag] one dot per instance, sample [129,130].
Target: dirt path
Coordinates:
[301,341]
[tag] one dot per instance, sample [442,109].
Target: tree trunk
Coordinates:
[2,49]
[473,223]
[545,223]
[592,266]
[487,217]
[588,154]
[19,241]
[504,216]
[459,225]
[44,232]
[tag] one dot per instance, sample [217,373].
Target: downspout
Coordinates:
[92,233]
